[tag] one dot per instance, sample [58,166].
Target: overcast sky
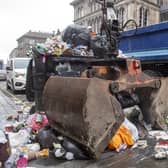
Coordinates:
[19,16]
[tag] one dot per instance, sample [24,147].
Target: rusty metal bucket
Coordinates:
[84,110]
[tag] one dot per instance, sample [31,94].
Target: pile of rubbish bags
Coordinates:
[31,137]
[134,131]
[75,40]
[19,140]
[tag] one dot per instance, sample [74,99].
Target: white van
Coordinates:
[16,73]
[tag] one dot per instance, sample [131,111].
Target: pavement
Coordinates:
[130,158]
[7,108]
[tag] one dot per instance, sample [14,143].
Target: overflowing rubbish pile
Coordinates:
[74,41]
[31,136]
[93,122]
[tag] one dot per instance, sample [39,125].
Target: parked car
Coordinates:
[16,73]
[2,74]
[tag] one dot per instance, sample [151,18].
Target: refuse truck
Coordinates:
[78,89]
[149,44]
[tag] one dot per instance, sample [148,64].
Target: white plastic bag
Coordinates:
[19,138]
[132,128]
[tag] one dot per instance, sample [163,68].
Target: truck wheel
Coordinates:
[29,83]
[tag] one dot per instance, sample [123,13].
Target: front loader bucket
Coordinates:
[84,110]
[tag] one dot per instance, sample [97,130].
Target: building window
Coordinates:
[89,23]
[94,4]
[160,2]
[143,17]
[89,2]
[82,12]
[78,13]
[100,24]
[141,11]
[91,6]
[120,15]
[31,41]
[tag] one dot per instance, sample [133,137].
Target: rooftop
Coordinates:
[31,34]
[75,2]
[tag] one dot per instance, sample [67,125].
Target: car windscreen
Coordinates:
[21,64]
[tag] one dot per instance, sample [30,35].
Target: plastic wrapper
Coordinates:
[126,136]
[159,134]
[99,46]
[19,138]
[36,121]
[127,99]
[76,35]
[46,137]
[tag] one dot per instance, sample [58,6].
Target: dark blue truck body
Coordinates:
[149,44]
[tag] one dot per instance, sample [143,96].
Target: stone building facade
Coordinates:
[144,12]
[87,13]
[163,10]
[25,41]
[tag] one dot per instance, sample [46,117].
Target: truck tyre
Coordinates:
[29,82]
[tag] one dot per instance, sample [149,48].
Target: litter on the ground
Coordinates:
[126,136]
[159,134]
[142,143]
